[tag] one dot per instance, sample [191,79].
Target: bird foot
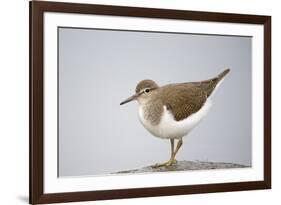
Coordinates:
[165,164]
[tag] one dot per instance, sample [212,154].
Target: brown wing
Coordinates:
[208,86]
[187,98]
[183,99]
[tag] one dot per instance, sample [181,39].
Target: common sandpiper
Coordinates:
[172,111]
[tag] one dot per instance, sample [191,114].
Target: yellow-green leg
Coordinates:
[172,160]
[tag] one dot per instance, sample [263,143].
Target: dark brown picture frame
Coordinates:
[37,8]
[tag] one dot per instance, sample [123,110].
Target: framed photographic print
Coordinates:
[139,102]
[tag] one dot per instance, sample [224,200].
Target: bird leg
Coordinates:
[172,160]
[177,149]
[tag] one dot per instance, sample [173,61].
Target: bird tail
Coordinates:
[213,83]
[222,74]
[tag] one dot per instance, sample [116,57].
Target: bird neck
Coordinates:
[152,111]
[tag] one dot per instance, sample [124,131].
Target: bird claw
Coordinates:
[165,164]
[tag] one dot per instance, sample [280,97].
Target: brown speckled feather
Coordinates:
[189,97]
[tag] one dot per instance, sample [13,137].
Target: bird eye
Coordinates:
[146,90]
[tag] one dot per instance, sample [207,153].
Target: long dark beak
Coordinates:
[133,97]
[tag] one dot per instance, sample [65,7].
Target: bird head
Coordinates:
[143,92]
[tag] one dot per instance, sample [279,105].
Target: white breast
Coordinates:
[170,128]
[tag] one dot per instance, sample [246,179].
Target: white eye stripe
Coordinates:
[146,90]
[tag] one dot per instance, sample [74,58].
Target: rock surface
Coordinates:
[185,166]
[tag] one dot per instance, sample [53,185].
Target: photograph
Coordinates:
[139,102]
[129,102]
[190,110]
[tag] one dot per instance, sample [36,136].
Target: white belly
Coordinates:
[170,128]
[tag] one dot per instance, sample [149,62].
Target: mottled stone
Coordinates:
[185,166]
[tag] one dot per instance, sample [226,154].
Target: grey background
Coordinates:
[100,68]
